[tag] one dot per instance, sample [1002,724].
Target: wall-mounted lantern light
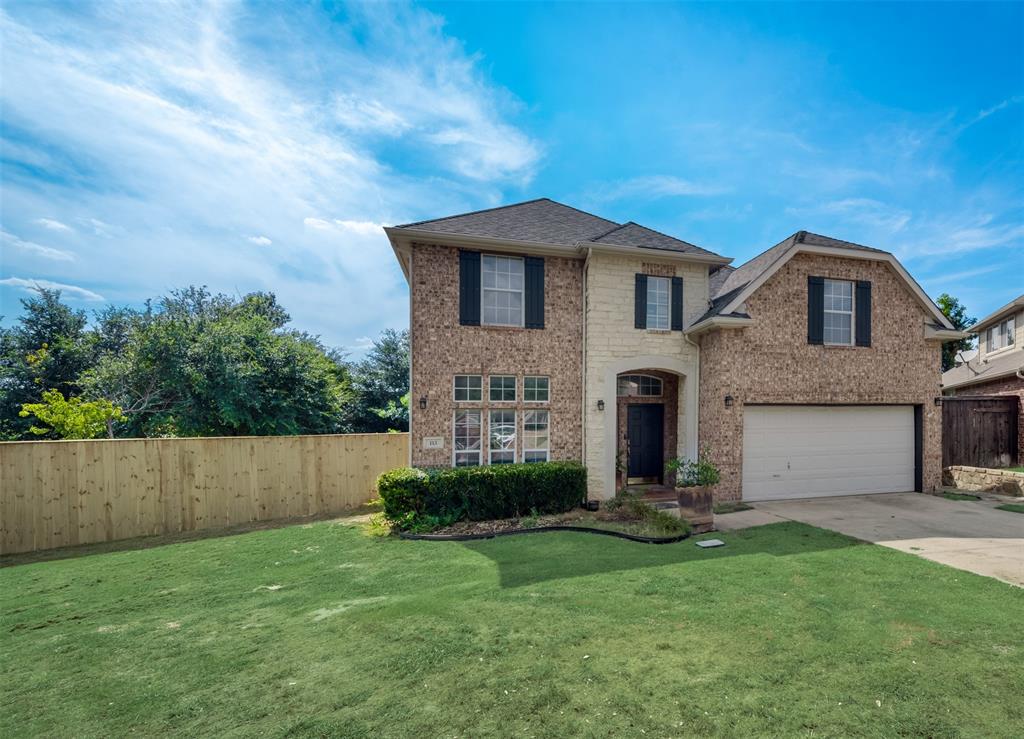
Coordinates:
[938,400]
[600,405]
[728,401]
[423,403]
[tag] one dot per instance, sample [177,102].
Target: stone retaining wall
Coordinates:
[984,479]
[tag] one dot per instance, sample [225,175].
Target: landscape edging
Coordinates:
[541,529]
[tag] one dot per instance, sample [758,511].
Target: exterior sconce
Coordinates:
[423,403]
[938,400]
[728,401]
[600,405]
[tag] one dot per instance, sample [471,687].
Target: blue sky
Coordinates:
[261,146]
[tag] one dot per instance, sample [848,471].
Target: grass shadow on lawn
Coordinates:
[569,554]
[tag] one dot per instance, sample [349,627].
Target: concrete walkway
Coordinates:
[969,535]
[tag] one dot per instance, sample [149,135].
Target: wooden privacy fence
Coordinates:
[979,431]
[59,493]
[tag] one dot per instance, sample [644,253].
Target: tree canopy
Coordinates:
[956,312]
[190,364]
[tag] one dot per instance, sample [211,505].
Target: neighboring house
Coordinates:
[540,332]
[997,368]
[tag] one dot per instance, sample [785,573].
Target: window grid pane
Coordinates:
[468,387]
[657,302]
[502,280]
[503,388]
[536,437]
[467,438]
[838,318]
[535,389]
[638,385]
[503,437]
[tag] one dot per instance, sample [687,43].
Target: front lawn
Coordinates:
[320,630]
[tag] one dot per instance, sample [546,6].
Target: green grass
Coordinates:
[960,496]
[733,507]
[1014,469]
[320,630]
[1014,507]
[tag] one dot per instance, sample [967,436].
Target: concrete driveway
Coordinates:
[969,535]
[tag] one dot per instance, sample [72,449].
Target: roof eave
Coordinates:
[717,322]
[409,236]
[1012,307]
[944,334]
[979,379]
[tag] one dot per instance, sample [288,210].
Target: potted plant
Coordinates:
[694,480]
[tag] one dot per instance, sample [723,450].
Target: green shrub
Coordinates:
[690,473]
[416,498]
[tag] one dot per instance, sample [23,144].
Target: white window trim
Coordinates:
[521,291]
[515,388]
[668,305]
[515,427]
[852,313]
[547,451]
[990,331]
[463,374]
[536,402]
[661,384]
[479,452]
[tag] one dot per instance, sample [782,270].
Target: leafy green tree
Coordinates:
[72,418]
[47,348]
[379,382]
[956,312]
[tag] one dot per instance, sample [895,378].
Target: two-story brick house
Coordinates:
[540,332]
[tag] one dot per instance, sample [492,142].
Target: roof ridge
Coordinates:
[804,234]
[481,210]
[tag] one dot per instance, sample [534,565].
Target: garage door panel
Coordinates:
[818,451]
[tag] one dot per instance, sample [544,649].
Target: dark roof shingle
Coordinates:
[633,234]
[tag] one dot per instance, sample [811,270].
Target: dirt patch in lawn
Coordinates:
[610,520]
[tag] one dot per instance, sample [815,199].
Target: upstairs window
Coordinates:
[838,312]
[1001,335]
[658,290]
[502,290]
[639,385]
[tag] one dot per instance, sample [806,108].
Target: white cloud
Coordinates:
[53,225]
[72,290]
[652,186]
[38,250]
[170,133]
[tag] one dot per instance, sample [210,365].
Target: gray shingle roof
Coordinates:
[757,266]
[548,222]
[975,371]
[633,234]
[542,220]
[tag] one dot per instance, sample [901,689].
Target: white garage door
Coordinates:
[815,451]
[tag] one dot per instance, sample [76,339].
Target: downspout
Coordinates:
[583,366]
[412,399]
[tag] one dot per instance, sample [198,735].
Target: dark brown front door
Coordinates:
[644,431]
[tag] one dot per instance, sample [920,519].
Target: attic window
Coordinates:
[838,312]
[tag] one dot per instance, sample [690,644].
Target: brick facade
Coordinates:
[1003,386]
[441,348]
[772,362]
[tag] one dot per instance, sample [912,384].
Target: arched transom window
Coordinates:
[642,385]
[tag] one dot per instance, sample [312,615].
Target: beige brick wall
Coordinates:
[771,362]
[441,348]
[614,346]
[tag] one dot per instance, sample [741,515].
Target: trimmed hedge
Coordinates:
[413,497]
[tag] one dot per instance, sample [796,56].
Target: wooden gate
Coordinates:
[979,430]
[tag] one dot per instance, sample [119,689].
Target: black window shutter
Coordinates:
[863,311]
[677,303]
[815,310]
[469,288]
[534,297]
[640,302]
